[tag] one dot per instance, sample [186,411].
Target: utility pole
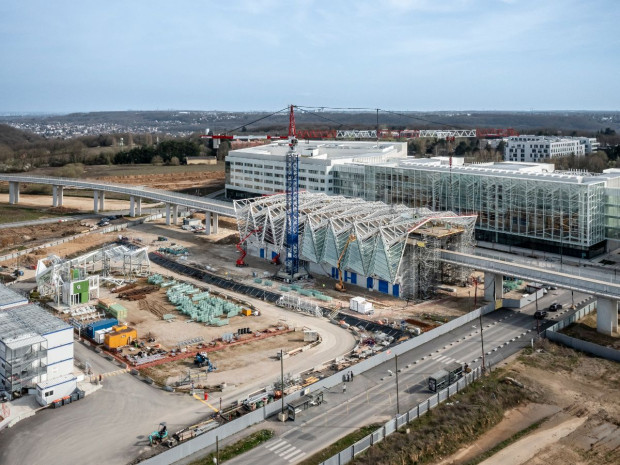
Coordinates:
[480,318]
[217,450]
[282,377]
[397,399]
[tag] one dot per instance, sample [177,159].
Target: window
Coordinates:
[49,393]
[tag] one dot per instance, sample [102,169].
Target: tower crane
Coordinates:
[340,284]
[292,201]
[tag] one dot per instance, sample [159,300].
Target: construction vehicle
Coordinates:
[159,435]
[340,284]
[244,252]
[443,378]
[202,360]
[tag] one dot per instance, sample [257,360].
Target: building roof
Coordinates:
[532,171]
[27,321]
[10,298]
[327,150]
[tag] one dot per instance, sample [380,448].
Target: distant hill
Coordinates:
[15,138]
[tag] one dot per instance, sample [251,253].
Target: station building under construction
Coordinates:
[393,249]
[527,205]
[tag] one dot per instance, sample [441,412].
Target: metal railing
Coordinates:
[566,279]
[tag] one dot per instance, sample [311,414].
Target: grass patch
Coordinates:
[340,444]
[128,170]
[549,356]
[13,214]
[446,428]
[505,443]
[238,448]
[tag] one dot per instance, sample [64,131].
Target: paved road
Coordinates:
[371,397]
[85,216]
[111,426]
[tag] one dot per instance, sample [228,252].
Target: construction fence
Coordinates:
[346,455]
[208,439]
[583,346]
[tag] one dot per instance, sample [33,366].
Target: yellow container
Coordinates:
[120,336]
[247,312]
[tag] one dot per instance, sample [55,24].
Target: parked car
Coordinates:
[540,314]
[554,307]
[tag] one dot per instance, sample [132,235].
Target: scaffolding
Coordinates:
[395,243]
[54,274]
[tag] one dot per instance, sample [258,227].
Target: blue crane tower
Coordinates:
[292,201]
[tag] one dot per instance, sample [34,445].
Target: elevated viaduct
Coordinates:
[604,287]
[172,200]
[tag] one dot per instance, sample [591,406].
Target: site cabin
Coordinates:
[303,403]
[54,389]
[444,377]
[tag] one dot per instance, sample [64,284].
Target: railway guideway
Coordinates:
[603,287]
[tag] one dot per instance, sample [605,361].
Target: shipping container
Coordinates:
[101,324]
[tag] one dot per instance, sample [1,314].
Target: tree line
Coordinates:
[170,152]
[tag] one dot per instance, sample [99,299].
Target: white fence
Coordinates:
[346,455]
[208,439]
[578,344]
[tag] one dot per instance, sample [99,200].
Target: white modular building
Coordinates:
[34,347]
[530,148]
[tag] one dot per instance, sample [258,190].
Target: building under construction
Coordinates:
[76,281]
[390,248]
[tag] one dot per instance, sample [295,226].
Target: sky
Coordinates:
[419,55]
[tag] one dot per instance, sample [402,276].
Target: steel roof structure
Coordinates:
[381,231]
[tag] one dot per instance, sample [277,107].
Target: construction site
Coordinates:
[304,285]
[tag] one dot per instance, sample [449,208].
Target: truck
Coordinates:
[446,376]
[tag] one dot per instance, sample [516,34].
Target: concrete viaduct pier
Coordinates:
[604,287]
[172,200]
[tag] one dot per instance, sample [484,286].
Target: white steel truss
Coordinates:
[383,233]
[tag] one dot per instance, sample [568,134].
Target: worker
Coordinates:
[344,387]
[351,375]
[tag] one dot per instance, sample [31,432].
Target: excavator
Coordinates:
[244,252]
[340,284]
[159,435]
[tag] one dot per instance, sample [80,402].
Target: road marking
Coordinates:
[206,403]
[298,457]
[448,360]
[271,446]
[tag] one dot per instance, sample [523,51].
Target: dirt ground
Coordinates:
[586,329]
[237,358]
[172,181]
[581,405]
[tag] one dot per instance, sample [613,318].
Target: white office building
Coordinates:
[261,170]
[35,347]
[538,148]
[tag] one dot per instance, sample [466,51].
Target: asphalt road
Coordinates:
[111,426]
[371,397]
[85,216]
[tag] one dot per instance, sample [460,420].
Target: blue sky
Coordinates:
[63,56]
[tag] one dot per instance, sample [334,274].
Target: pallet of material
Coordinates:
[124,288]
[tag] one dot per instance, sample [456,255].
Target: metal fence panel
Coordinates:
[346,455]
[361,445]
[390,427]
[585,346]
